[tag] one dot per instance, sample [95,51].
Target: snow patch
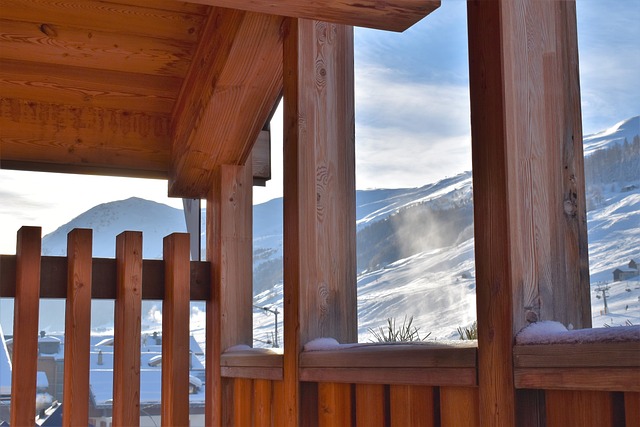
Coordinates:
[549,332]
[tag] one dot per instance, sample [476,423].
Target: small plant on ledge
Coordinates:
[393,333]
[469,332]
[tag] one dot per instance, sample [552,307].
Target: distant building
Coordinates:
[624,273]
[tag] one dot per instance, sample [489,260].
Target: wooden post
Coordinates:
[530,216]
[25,327]
[229,249]
[126,347]
[77,328]
[319,193]
[175,331]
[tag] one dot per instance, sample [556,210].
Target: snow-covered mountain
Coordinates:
[415,249]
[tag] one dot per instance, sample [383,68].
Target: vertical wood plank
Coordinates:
[309,404]
[411,406]
[579,408]
[126,347]
[371,405]
[262,403]
[278,407]
[319,192]
[334,404]
[632,409]
[230,251]
[459,407]
[242,402]
[529,204]
[77,328]
[175,330]
[25,327]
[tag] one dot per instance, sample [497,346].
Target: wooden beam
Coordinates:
[396,15]
[175,331]
[77,327]
[234,81]
[319,193]
[529,212]
[229,249]
[83,137]
[25,326]
[126,347]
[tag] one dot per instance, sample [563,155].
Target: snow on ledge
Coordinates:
[549,332]
[320,344]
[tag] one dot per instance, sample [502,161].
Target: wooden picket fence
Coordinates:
[426,384]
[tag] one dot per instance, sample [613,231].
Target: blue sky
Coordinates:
[412,113]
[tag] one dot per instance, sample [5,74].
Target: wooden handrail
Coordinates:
[53,278]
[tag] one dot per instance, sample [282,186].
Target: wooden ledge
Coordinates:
[437,364]
[255,363]
[610,366]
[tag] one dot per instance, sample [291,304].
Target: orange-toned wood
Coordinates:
[242,402]
[77,328]
[76,46]
[262,403]
[586,355]
[529,211]
[579,408]
[371,405]
[229,93]
[459,407]
[632,409]
[592,378]
[395,15]
[50,83]
[175,331]
[126,347]
[83,137]
[166,20]
[229,249]
[334,404]
[411,406]
[25,327]
[319,192]
[278,408]
[466,377]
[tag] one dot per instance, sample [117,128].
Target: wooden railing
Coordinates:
[424,384]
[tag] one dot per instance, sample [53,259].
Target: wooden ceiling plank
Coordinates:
[28,41]
[87,87]
[86,136]
[229,93]
[138,19]
[170,5]
[393,15]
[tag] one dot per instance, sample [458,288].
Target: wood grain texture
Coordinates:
[25,326]
[459,407]
[579,408]
[372,408]
[79,47]
[609,379]
[395,15]
[411,406]
[242,402]
[319,192]
[605,354]
[126,347]
[529,215]
[229,249]
[632,409]
[51,83]
[278,409]
[53,278]
[262,403]
[175,331]
[77,328]
[83,136]
[229,93]
[252,372]
[466,377]
[167,20]
[334,404]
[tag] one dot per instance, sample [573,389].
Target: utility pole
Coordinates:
[604,289]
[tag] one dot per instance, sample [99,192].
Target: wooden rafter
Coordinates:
[232,85]
[395,15]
